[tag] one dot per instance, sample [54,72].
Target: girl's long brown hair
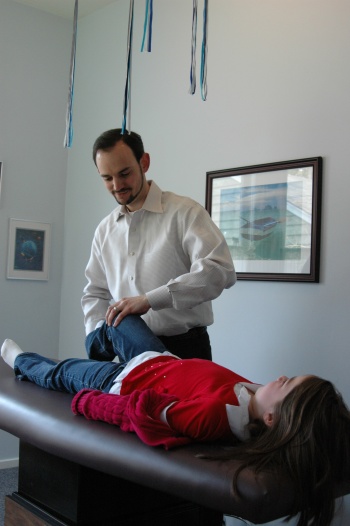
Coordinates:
[310,439]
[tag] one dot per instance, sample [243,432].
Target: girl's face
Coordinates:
[267,396]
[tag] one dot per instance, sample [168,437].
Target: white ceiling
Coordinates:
[65,8]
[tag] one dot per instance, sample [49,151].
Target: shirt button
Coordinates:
[132,254]
[131,278]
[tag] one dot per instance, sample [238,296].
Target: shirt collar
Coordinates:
[238,416]
[153,201]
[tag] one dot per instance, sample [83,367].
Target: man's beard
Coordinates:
[132,196]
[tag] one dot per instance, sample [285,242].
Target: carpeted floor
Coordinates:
[8,484]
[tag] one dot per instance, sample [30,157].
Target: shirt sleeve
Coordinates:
[97,296]
[211,266]
[137,412]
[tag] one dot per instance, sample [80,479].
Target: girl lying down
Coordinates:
[299,423]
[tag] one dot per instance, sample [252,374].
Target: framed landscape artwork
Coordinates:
[270,215]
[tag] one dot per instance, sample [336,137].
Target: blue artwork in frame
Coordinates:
[270,215]
[29,248]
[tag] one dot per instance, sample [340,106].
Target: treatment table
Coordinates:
[74,471]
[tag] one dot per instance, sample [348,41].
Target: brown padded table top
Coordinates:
[44,419]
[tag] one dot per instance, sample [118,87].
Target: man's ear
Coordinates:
[145,161]
[268,419]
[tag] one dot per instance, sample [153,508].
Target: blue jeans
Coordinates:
[132,337]
[104,343]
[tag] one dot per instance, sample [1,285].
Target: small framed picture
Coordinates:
[29,249]
[270,215]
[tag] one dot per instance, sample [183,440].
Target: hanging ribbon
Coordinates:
[127,92]
[192,89]
[204,52]
[68,138]
[147,27]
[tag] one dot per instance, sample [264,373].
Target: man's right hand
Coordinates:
[133,305]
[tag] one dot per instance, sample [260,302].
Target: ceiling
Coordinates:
[65,8]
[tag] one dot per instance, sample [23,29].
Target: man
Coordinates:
[157,254]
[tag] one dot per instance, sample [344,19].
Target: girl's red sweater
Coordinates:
[203,389]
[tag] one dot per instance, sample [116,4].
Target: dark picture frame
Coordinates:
[270,215]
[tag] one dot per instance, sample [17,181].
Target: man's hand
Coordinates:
[125,306]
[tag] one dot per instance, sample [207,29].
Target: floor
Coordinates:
[8,484]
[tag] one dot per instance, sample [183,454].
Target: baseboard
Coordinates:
[11,463]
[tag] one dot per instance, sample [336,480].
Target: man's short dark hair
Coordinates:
[108,139]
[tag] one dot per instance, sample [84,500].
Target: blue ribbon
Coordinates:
[148,26]
[192,89]
[127,91]
[204,52]
[68,138]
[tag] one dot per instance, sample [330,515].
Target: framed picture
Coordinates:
[270,215]
[29,248]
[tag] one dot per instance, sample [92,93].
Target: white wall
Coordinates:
[34,72]
[278,89]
